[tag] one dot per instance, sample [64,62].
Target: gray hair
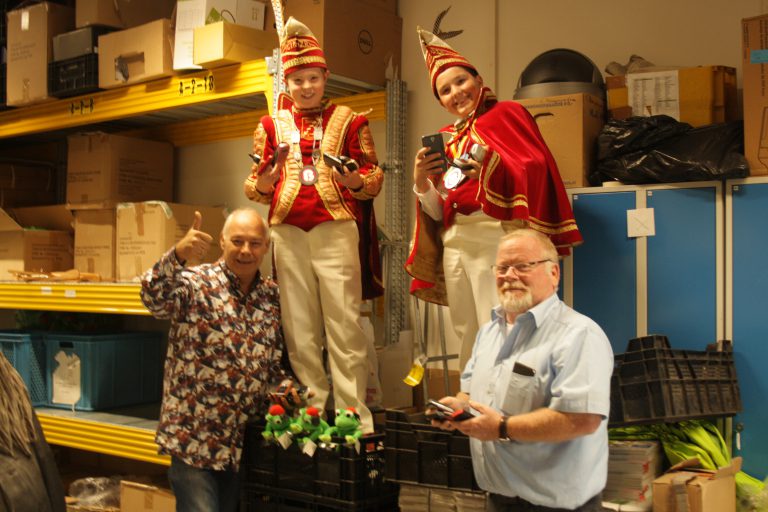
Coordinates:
[247,210]
[545,244]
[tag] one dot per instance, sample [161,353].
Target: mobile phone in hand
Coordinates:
[436,144]
[334,161]
[449,413]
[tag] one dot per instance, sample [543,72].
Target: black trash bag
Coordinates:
[658,149]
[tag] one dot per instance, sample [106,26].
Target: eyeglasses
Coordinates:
[519,268]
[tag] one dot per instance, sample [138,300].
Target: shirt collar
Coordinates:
[234,281]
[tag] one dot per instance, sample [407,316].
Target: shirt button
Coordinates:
[455,205]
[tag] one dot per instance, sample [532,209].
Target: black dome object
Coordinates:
[560,71]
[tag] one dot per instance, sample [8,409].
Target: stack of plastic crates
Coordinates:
[419,453]
[654,383]
[25,350]
[336,477]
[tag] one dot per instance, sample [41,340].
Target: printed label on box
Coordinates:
[66,379]
[654,93]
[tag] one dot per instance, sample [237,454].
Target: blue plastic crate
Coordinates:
[26,352]
[116,369]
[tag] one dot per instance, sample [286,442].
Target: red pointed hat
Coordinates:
[299,48]
[439,56]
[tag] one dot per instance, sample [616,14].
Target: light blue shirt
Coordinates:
[573,361]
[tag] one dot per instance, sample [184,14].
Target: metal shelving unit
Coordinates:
[193,108]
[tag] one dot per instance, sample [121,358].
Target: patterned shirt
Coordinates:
[224,355]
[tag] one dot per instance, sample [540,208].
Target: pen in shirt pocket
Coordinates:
[521,369]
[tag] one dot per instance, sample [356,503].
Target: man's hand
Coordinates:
[265,181]
[195,245]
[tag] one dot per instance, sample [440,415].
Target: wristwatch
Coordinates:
[503,435]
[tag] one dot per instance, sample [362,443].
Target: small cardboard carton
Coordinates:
[95,242]
[121,13]
[361,38]
[222,43]
[30,31]
[570,125]
[136,54]
[137,497]
[191,14]
[104,169]
[698,96]
[755,76]
[145,231]
[36,239]
[685,487]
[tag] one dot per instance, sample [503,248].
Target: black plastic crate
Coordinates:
[73,77]
[654,383]
[419,453]
[260,498]
[339,473]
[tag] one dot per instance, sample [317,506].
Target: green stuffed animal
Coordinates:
[346,424]
[309,424]
[278,423]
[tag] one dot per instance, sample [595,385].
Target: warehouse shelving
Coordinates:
[192,108]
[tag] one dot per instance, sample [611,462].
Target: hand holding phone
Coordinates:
[444,412]
[435,144]
[333,161]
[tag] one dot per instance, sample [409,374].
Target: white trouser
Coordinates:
[320,290]
[469,250]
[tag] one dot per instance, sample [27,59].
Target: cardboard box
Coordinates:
[394,364]
[25,185]
[30,31]
[222,43]
[570,125]
[121,13]
[197,13]
[25,246]
[755,75]
[103,169]
[136,54]
[95,242]
[359,37]
[145,231]
[699,95]
[136,497]
[705,490]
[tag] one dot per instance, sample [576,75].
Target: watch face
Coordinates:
[453,178]
[308,175]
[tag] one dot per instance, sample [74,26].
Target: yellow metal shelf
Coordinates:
[100,437]
[233,126]
[120,298]
[235,88]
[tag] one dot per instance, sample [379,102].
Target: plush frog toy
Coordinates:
[278,423]
[308,424]
[346,424]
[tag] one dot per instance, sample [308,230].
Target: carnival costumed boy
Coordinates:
[323,227]
[512,181]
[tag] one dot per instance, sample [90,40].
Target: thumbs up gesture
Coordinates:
[194,246]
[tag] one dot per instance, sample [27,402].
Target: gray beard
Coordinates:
[516,304]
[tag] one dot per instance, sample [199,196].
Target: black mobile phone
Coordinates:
[334,161]
[436,144]
[349,163]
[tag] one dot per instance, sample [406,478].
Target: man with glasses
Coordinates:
[538,384]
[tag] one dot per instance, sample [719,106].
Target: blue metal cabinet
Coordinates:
[669,283]
[746,316]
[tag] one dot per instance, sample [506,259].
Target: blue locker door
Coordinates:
[682,266]
[750,321]
[604,266]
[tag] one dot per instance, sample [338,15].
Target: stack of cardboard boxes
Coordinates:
[120,189]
